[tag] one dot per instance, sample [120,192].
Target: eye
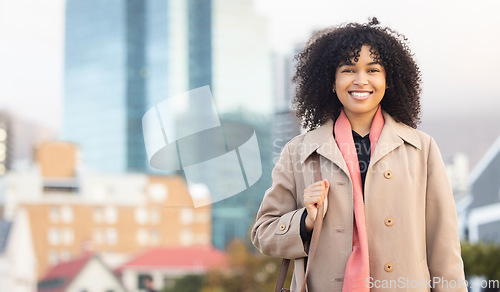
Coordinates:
[373,70]
[347,71]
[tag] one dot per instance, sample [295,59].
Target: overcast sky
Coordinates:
[31,59]
[455,43]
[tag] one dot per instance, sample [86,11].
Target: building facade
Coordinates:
[482,211]
[118,214]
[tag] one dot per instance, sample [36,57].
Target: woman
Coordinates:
[390,220]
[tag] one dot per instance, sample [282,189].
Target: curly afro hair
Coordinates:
[314,100]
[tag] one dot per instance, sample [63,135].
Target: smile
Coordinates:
[360,95]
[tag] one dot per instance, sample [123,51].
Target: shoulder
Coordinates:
[295,141]
[429,148]
[292,148]
[418,138]
[424,138]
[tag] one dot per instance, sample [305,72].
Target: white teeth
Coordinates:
[360,94]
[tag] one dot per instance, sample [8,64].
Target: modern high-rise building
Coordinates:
[125,56]
[105,84]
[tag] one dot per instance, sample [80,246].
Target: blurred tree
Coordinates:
[482,259]
[189,283]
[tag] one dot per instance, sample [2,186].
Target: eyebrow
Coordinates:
[349,63]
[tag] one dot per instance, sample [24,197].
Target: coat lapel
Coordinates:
[321,140]
[393,135]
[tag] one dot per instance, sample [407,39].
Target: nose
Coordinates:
[360,79]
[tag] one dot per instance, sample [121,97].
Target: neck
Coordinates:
[360,123]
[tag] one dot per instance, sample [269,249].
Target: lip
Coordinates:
[356,97]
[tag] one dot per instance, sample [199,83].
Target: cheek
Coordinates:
[339,82]
[381,84]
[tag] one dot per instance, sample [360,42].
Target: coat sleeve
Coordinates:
[443,246]
[277,228]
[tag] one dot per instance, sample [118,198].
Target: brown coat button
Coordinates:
[388,267]
[389,221]
[282,227]
[388,174]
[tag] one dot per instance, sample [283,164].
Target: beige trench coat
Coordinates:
[410,213]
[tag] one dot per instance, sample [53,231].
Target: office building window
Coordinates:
[54,213]
[98,216]
[66,214]
[111,236]
[157,193]
[141,215]
[142,236]
[111,215]
[68,236]
[53,236]
[187,216]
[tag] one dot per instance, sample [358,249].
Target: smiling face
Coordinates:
[360,86]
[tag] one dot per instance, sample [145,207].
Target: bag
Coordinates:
[318,223]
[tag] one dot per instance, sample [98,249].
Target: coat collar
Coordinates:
[393,135]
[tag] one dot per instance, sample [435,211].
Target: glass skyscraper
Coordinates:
[105,85]
[125,56]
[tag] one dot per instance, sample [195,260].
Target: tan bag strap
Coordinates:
[318,224]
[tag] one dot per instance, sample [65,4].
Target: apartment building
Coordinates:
[72,211]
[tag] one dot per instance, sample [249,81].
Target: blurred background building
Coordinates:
[18,137]
[80,274]
[115,215]
[105,85]
[478,207]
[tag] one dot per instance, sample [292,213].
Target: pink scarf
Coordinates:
[358,265]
